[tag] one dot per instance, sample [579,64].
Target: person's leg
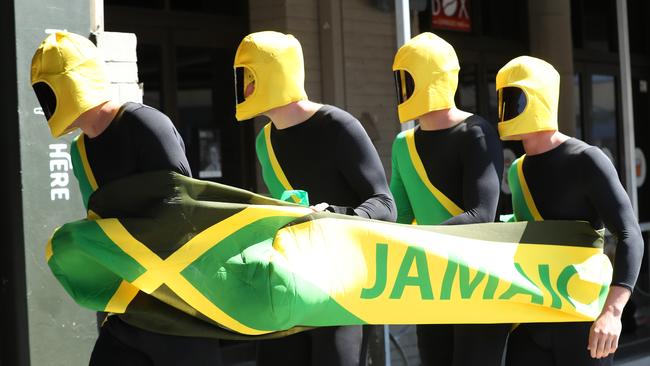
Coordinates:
[436,344]
[479,344]
[529,345]
[291,350]
[110,351]
[167,350]
[570,342]
[336,346]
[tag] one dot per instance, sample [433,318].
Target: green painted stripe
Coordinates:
[79,172]
[244,271]
[271,180]
[427,209]
[81,245]
[521,210]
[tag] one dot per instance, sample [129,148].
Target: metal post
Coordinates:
[96,16]
[403,24]
[387,345]
[402,21]
[626,98]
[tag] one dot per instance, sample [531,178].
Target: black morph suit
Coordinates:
[332,158]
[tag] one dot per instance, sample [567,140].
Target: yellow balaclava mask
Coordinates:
[274,62]
[68,78]
[426,73]
[528,90]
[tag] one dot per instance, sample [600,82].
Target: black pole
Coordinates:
[14,340]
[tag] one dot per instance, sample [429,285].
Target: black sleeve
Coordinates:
[482,161]
[160,145]
[360,165]
[613,205]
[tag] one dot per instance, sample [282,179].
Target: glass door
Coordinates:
[597,109]
[604,126]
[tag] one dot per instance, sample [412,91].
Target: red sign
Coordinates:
[451,14]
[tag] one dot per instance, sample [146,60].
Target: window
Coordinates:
[505,19]
[604,131]
[209,6]
[147,4]
[466,96]
[594,25]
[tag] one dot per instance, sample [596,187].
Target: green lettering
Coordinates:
[536,296]
[490,287]
[563,282]
[563,286]
[421,280]
[381,260]
[467,287]
[556,301]
[448,278]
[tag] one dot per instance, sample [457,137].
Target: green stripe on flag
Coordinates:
[80,246]
[245,269]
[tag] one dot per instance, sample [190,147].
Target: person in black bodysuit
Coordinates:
[567,179]
[119,140]
[347,174]
[463,163]
[320,149]
[455,160]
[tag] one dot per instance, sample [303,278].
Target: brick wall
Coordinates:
[369,39]
[119,52]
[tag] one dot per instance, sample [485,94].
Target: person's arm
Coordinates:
[613,205]
[404,210]
[482,171]
[160,145]
[359,163]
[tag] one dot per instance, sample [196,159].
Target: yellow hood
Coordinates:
[540,82]
[433,65]
[274,62]
[68,67]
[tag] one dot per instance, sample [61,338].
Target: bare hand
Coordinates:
[604,334]
[319,207]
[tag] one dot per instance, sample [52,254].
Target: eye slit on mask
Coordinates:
[46,98]
[239,84]
[404,84]
[244,83]
[512,103]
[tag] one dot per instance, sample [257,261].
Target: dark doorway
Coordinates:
[185,53]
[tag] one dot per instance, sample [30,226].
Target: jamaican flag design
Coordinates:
[523,204]
[82,170]
[424,200]
[182,256]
